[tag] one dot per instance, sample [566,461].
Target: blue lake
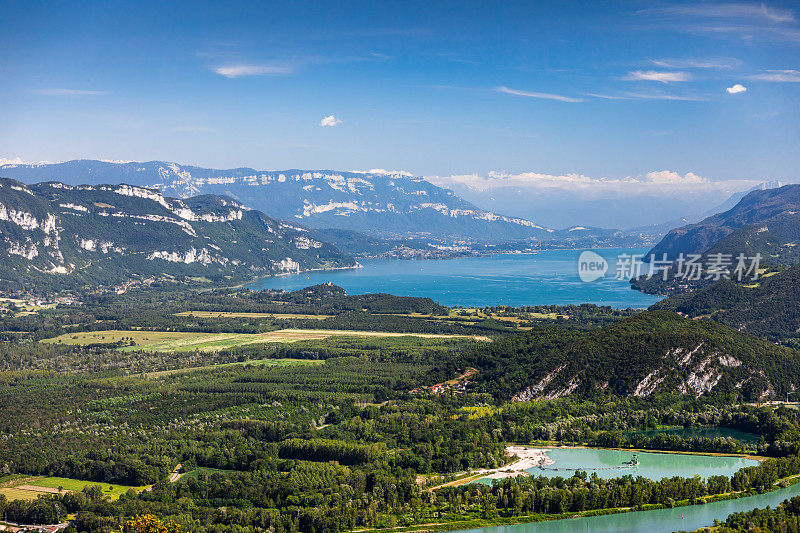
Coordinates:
[546,277]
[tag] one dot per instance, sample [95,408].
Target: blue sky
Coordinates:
[611,91]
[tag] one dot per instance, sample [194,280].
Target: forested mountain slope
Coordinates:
[56,235]
[769,307]
[654,352]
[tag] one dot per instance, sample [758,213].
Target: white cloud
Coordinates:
[779,75]
[15,161]
[657,75]
[384,172]
[238,71]
[662,182]
[70,92]
[330,121]
[545,96]
[736,89]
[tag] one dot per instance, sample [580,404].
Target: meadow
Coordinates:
[30,488]
[181,341]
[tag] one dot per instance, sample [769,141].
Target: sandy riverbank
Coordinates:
[527,458]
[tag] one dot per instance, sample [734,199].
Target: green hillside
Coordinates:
[654,352]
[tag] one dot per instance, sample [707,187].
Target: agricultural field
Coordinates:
[181,341]
[29,488]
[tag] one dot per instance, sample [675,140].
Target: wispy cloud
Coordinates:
[710,63]
[330,121]
[193,129]
[455,58]
[238,71]
[648,96]
[70,92]
[609,96]
[779,75]
[664,96]
[746,21]
[736,89]
[657,75]
[544,96]
[728,11]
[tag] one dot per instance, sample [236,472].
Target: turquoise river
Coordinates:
[653,466]
[659,521]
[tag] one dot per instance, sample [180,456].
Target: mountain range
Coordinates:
[378,204]
[110,234]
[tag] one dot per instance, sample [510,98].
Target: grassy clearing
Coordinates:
[112,336]
[29,488]
[225,314]
[180,341]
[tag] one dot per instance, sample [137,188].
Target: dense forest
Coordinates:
[768,308]
[351,432]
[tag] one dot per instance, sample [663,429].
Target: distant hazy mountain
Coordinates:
[770,213]
[661,229]
[765,222]
[560,208]
[378,204]
[735,198]
[57,234]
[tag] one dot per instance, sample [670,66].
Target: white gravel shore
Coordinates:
[527,458]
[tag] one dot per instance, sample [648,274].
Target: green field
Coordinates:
[183,341]
[29,488]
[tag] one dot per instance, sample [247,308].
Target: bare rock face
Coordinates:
[658,352]
[110,232]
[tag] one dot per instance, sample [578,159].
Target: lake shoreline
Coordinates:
[547,277]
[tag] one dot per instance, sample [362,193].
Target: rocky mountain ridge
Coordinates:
[378,203]
[106,233]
